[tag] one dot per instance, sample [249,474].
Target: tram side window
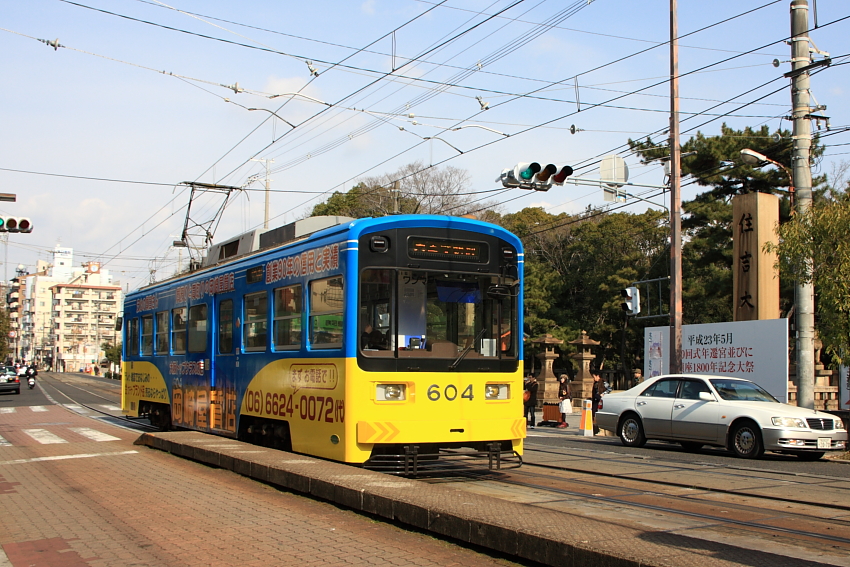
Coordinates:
[178,330]
[147,335]
[255,329]
[225,326]
[161,342]
[198,328]
[132,337]
[287,317]
[326,303]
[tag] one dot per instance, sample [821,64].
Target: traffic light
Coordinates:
[631,300]
[15,224]
[532,176]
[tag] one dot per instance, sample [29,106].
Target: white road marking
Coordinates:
[4,443]
[43,436]
[38,408]
[108,407]
[93,434]
[64,457]
[7,410]
[76,408]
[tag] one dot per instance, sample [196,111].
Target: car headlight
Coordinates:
[839,425]
[497,391]
[788,422]
[390,392]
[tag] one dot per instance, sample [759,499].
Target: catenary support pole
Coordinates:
[801,166]
[675,357]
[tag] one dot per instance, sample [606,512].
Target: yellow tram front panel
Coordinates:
[440,408]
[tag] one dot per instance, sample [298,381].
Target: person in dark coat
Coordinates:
[566,398]
[530,405]
[598,390]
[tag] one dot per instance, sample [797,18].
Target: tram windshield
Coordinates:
[410,313]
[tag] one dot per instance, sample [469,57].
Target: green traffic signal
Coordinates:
[528,172]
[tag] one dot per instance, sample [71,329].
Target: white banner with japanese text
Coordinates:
[755,350]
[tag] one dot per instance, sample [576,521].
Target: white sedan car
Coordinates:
[697,410]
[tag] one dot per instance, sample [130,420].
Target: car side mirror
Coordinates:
[706,397]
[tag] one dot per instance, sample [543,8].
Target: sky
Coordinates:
[109,106]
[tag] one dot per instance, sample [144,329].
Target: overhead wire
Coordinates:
[591,105]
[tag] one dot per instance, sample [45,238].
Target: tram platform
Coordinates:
[521,530]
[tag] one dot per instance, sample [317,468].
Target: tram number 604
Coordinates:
[449,392]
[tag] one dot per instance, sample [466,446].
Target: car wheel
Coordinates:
[631,431]
[810,455]
[746,441]
[691,446]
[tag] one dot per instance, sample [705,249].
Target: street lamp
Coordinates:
[754,158]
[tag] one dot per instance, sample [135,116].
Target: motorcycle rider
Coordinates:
[31,372]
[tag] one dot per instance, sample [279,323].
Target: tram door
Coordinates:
[223,366]
[193,409]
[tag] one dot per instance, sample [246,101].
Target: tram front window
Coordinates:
[418,314]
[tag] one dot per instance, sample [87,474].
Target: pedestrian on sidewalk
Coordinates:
[530,400]
[598,390]
[566,397]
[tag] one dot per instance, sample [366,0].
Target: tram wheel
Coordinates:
[160,416]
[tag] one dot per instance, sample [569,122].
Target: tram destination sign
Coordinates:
[439,249]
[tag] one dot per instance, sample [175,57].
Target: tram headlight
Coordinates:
[390,392]
[497,391]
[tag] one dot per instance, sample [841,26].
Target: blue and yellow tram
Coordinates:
[368,341]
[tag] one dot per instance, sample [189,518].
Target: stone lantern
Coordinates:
[582,386]
[547,379]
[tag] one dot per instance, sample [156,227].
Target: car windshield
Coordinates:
[10,370]
[741,390]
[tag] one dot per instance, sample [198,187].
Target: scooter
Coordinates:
[31,382]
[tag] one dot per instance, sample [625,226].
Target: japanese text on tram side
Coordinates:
[136,385]
[310,408]
[312,376]
[211,286]
[193,291]
[186,368]
[309,262]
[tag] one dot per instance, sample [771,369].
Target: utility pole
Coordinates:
[266,215]
[675,357]
[801,166]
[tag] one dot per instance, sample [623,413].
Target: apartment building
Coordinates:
[63,314]
[84,315]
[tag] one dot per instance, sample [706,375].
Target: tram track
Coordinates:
[119,418]
[748,515]
[705,468]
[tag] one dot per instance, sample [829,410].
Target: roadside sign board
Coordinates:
[755,350]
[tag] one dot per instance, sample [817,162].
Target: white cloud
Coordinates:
[368,7]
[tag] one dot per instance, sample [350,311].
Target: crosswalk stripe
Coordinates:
[93,434]
[43,436]
[108,407]
[4,443]
[64,457]
[7,410]
[76,408]
[38,408]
